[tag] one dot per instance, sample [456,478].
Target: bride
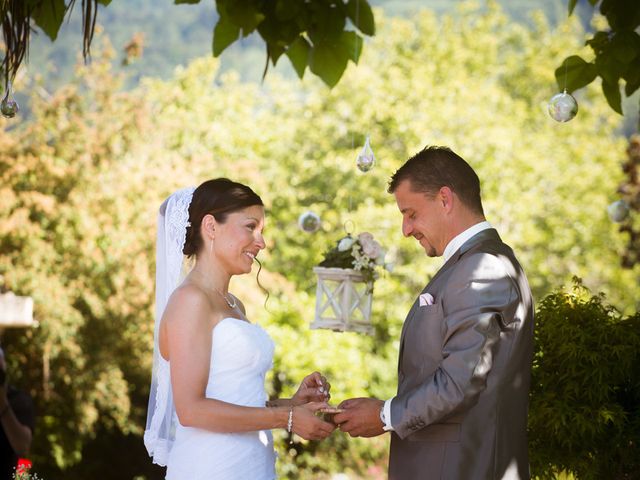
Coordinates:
[208,415]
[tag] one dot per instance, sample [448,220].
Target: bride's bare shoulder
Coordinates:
[189,314]
[188,301]
[189,292]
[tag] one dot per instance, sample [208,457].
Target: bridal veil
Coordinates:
[173,218]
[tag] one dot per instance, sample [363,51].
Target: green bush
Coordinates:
[585,395]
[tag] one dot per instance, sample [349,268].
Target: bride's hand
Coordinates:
[313,388]
[308,425]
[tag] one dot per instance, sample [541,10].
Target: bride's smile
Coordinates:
[238,241]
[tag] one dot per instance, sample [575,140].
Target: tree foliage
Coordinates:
[616,53]
[314,34]
[19,17]
[81,182]
[188,36]
[585,395]
[311,34]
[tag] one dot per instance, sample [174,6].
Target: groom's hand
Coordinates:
[361,418]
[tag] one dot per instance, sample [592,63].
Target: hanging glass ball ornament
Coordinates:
[618,211]
[366,159]
[563,107]
[9,107]
[309,222]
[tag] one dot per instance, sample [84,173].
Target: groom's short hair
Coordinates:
[435,167]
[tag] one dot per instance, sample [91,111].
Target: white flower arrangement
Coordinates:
[24,473]
[361,253]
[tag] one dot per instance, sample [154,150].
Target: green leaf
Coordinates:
[328,60]
[244,14]
[624,46]
[609,68]
[287,9]
[298,53]
[107,2]
[612,94]
[49,16]
[575,73]
[599,42]
[572,5]
[280,32]
[224,34]
[327,23]
[353,44]
[275,52]
[361,15]
[632,77]
[621,14]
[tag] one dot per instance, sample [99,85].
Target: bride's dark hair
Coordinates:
[218,197]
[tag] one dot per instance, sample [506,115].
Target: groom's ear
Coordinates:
[445,195]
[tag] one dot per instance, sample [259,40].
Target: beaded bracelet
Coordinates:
[290,420]
[290,425]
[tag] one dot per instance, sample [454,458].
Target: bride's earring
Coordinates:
[211,247]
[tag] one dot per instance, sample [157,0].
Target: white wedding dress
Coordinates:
[241,355]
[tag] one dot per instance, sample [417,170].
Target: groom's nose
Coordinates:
[407,227]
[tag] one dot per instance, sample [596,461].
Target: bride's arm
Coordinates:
[188,315]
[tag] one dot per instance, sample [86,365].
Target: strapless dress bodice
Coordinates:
[241,356]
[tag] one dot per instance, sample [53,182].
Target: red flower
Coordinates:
[23,466]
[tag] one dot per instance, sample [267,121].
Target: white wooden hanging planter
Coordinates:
[16,311]
[343,301]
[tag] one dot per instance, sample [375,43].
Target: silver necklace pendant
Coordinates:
[226,299]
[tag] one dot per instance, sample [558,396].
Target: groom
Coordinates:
[466,345]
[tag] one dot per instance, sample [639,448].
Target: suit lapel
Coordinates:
[489,234]
[416,303]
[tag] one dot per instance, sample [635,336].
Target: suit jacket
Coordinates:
[464,371]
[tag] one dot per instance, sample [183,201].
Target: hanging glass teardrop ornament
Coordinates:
[9,107]
[618,211]
[309,222]
[365,159]
[563,107]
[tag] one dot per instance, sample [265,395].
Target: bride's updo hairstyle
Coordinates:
[218,197]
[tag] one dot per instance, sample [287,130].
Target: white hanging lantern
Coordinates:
[16,311]
[343,301]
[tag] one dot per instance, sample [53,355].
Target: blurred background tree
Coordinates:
[83,174]
[614,57]
[323,35]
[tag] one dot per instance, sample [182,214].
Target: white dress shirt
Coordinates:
[455,243]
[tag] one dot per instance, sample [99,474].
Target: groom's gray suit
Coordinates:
[464,371]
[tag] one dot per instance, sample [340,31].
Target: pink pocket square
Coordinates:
[426,299]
